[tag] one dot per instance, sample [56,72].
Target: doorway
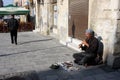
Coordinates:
[78,18]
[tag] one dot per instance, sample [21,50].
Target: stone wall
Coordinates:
[117,42]
[44,17]
[37,19]
[42,14]
[63,19]
[103,18]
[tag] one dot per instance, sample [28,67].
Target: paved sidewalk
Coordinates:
[31,58]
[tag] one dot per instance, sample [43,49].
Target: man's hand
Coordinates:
[79,45]
[85,43]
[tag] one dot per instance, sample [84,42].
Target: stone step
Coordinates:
[31,75]
[74,46]
[108,76]
[72,43]
[54,35]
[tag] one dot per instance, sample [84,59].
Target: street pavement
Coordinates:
[32,57]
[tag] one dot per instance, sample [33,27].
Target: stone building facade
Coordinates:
[104,19]
[45,13]
[29,4]
[21,4]
[67,19]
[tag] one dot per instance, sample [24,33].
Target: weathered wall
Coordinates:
[37,19]
[42,13]
[63,19]
[103,18]
[44,17]
[117,42]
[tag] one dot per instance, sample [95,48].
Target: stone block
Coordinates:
[89,78]
[53,77]
[116,62]
[72,79]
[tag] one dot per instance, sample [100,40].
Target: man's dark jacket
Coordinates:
[13,24]
[93,46]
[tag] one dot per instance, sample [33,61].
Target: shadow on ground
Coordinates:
[24,52]
[27,42]
[93,73]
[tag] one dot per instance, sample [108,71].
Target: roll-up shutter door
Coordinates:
[78,18]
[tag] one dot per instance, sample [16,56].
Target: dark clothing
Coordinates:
[90,52]
[93,45]
[83,58]
[13,26]
[13,34]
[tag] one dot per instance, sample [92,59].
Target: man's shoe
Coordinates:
[75,61]
[54,66]
[15,43]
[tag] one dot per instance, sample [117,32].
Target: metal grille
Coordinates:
[78,18]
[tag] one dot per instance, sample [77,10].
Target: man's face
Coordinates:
[88,35]
[12,16]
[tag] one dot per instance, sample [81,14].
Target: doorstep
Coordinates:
[72,43]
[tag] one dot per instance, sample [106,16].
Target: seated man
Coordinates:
[90,45]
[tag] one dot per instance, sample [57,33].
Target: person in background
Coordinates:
[13,27]
[90,46]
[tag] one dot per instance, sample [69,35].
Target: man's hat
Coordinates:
[90,31]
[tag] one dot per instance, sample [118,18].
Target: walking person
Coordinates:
[13,27]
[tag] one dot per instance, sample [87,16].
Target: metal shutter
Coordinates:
[78,18]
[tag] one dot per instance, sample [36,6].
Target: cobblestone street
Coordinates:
[33,55]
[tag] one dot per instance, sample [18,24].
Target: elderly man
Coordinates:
[90,45]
